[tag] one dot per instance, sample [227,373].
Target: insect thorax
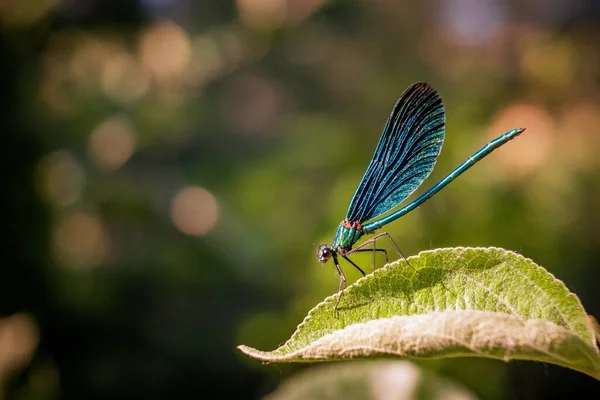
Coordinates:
[347,234]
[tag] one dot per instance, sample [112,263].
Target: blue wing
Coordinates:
[405,155]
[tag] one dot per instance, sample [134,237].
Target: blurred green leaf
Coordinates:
[369,380]
[481,302]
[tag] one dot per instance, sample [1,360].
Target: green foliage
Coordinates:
[458,302]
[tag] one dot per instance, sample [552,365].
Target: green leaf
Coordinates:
[479,302]
[369,380]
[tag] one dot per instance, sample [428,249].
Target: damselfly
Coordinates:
[405,155]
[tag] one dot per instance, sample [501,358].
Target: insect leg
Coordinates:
[353,263]
[374,238]
[342,282]
[384,251]
[374,259]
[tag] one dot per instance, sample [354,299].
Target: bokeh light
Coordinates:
[87,60]
[534,147]
[262,14]
[250,104]
[208,60]
[123,79]
[194,211]
[80,240]
[19,337]
[265,15]
[61,178]
[112,142]
[164,49]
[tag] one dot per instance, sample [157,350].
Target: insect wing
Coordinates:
[405,155]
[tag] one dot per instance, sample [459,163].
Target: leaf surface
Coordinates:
[480,302]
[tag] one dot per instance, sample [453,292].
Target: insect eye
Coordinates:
[323,254]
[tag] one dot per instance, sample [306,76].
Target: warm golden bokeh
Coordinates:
[79,241]
[112,142]
[194,211]
[262,14]
[19,337]
[123,79]
[61,178]
[534,147]
[164,49]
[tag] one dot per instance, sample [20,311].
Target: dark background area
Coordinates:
[170,165]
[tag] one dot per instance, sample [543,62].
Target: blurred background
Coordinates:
[171,165]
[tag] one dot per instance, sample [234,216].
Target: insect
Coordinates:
[409,146]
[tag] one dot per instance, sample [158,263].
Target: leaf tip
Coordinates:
[245,349]
[254,353]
